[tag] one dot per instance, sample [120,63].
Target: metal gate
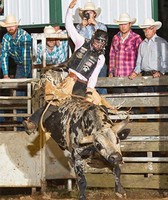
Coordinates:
[21,164]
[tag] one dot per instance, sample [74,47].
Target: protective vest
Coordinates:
[84,60]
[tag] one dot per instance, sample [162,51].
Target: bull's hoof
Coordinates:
[119,195]
[82,197]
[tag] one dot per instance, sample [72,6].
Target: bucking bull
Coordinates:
[81,129]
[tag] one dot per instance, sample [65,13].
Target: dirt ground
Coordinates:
[92,194]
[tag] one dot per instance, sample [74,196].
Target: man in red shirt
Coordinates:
[124,48]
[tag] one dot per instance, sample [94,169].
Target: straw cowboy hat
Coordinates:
[124,19]
[150,22]
[89,6]
[10,20]
[49,30]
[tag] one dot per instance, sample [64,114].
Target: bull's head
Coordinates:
[107,142]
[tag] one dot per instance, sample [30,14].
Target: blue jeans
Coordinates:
[103,73]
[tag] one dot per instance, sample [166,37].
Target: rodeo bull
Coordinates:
[81,129]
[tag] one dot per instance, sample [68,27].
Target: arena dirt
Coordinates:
[92,194]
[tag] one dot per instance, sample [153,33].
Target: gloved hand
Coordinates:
[89,95]
[89,98]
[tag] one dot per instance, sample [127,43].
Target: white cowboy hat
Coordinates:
[124,19]
[150,22]
[10,20]
[49,30]
[89,6]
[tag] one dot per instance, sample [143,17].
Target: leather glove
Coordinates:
[89,95]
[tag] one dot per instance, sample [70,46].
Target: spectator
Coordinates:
[87,28]
[123,51]
[16,43]
[89,24]
[152,56]
[56,50]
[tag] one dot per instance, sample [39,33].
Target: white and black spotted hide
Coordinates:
[76,120]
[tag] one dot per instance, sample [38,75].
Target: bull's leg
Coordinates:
[119,190]
[81,180]
[82,186]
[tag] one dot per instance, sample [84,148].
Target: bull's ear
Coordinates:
[119,126]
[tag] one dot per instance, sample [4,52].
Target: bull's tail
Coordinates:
[120,126]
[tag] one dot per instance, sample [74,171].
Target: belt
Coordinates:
[75,78]
[149,73]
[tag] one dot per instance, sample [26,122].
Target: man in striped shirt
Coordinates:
[16,43]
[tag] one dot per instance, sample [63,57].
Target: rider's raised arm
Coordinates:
[72,32]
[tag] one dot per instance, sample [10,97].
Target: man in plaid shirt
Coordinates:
[124,48]
[16,43]
[56,50]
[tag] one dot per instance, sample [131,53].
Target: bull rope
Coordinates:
[42,131]
[41,119]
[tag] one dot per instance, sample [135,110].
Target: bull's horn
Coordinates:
[86,139]
[119,126]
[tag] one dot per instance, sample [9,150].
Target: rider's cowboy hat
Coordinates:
[150,22]
[124,19]
[10,20]
[89,6]
[49,30]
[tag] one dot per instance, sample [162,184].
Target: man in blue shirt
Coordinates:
[152,57]
[56,50]
[16,43]
[89,24]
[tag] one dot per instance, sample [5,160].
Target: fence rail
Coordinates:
[12,105]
